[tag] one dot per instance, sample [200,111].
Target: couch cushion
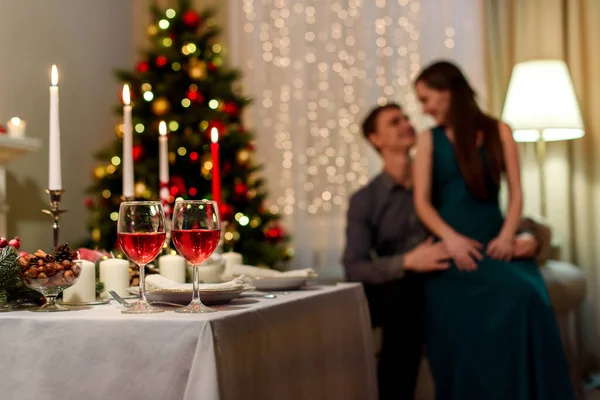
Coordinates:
[566,284]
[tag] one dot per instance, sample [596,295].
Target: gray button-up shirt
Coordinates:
[382,226]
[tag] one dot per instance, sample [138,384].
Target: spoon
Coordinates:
[124,303]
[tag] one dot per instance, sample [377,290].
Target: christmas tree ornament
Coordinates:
[138,153]
[161,61]
[88,202]
[240,189]
[197,69]
[160,106]
[243,156]
[142,67]
[231,109]
[152,30]
[191,19]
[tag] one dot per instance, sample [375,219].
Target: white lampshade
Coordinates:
[541,98]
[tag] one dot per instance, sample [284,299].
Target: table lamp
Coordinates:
[541,106]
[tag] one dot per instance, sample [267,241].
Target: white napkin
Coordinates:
[256,272]
[156,281]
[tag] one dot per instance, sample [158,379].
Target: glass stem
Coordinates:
[195,278]
[142,284]
[50,301]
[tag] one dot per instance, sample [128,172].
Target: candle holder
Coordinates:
[55,211]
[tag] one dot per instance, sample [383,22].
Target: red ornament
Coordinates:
[2,129]
[143,66]
[191,19]
[250,146]
[138,152]
[88,202]
[193,156]
[192,95]
[178,186]
[231,108]
[275,233]
[193,191]
[161,61]
[240,189]
[226,167]
[212,66]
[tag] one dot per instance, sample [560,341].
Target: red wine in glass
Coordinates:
[141,248]
[196,245]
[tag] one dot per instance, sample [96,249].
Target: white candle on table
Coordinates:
[84,291]
[54,172]
[172,267]
[16,127]
[114,273]
[231,258]
[127,145]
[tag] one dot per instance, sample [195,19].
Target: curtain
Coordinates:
[314,68]
[518,30]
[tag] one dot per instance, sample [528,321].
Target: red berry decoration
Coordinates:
[191,19]
[3,242]
[143,66]
[16,243]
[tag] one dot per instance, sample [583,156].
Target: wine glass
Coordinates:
[141,234]
[195,234]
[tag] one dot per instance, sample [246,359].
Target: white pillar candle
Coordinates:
[54,171]
[231,258]
[16,127]
[172,267]
[114,273]
[84,290]
[127,145]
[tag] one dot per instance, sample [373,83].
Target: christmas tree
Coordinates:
[181,80]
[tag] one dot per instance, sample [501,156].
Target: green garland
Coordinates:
[11,287]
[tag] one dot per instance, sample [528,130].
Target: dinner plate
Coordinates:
[280,283]
[184,296]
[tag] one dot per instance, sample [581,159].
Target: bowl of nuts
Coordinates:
[50,274]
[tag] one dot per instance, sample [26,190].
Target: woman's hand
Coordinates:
[464,251]
[501,248]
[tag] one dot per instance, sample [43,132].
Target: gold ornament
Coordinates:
[160,106]
[197,69]
[243,156]
[96,235]
[152,30]
[139,189]
[99,172]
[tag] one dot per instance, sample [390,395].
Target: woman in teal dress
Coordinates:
[491,331]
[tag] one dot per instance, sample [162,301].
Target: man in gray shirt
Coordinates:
[390,252]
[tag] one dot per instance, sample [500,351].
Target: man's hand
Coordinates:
[525,246]
[427,257]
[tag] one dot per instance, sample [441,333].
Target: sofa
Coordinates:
[566,286]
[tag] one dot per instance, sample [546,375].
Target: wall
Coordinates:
[86,39]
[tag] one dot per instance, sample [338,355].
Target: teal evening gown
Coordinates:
[491,333]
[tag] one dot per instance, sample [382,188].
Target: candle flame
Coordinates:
[126,97]
[214,135]
[54,76]
[162,128]
[15,121]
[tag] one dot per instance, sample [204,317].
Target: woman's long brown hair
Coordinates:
[466,119]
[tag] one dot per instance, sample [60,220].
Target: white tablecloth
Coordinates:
[309,344]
